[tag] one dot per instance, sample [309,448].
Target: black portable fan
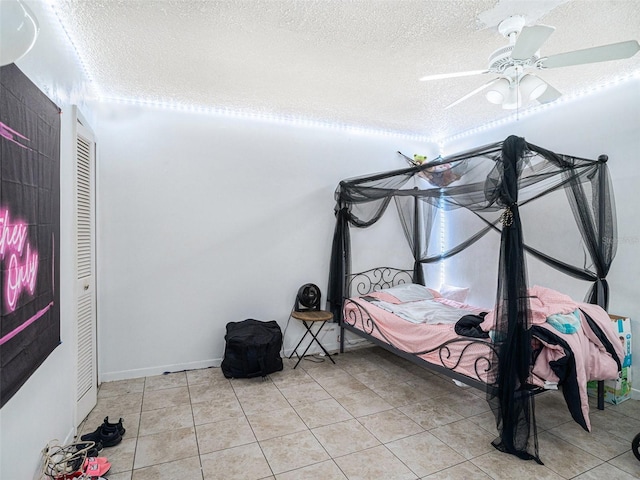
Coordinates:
[308,298]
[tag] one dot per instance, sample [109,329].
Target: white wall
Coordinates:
[205,220]
[604,123]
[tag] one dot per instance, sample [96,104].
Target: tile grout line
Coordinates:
[333,459]
[364,426]
[195,430]
[310,430]
[244,413]
[135,448]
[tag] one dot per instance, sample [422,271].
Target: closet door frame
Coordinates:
[85,292]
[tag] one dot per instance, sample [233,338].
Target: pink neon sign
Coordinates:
[21,261]
[10,134]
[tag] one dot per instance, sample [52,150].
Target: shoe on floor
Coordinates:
[96,467]
[114,426]
[108,438]
[93,448]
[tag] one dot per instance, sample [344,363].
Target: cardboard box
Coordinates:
[619,390]
[623,327]
[615,391]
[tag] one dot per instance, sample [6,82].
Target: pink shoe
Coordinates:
[96,466]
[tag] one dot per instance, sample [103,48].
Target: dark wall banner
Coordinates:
[29,229]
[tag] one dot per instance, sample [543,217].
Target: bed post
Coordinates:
[513,406]
[340,266]
[604,296]
[418,276]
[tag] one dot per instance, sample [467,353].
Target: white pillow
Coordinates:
[409,292]
[459,294]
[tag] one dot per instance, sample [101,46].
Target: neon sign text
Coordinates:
[12,237]
[21,263]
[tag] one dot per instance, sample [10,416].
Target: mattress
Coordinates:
[432,340]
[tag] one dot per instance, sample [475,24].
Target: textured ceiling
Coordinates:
[348,62]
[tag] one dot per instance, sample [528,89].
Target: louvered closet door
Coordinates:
[87,378]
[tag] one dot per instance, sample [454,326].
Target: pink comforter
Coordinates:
[543,302]
[592,361]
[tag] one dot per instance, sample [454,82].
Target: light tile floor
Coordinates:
[373,416]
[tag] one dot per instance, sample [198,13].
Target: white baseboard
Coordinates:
[331,346]
[151,371]
[70,436]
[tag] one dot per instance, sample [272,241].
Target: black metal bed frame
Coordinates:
[378,278]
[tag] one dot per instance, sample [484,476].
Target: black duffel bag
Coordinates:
[252,349]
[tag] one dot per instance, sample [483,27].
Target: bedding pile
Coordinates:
[418,304]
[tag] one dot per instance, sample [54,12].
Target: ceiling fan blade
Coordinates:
[603,53]
[550,95]
[530,40]
[471,94]
[441,76]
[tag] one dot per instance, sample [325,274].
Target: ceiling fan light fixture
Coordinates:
[498,92]
[513,99]
[531,87]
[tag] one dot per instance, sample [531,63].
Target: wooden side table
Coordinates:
[308,319]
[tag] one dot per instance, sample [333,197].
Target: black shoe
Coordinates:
[90,448]
[94,448]
[108,438]
[114,426]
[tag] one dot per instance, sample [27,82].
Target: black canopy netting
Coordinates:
[493,182]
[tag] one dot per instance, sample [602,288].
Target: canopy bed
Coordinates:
[514,349]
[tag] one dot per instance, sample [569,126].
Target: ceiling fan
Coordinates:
[514,86]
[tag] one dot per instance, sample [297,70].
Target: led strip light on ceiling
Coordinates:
[64,33]
[440,139]
[292,120]
[544,107]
